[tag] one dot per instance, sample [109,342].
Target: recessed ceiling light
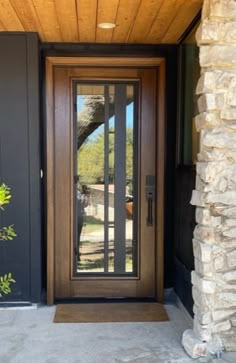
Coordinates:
[106,25]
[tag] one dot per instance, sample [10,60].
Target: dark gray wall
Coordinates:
[184,219]
[185,173]
[20,162]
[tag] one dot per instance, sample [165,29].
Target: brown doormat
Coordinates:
[109,312]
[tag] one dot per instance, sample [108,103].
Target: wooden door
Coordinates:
[117,252]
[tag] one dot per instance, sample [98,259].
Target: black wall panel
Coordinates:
[184,224]
[20,162]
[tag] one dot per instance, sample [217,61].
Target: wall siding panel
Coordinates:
[184,223]
[20,162]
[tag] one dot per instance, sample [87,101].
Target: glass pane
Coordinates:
[104,204]
[129,179]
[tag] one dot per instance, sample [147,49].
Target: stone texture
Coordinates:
[233,321]
[208,171]
[223,287]
[206,83]
[204,269]
[214,243]
[213,31]
[228,113]
[228,125]
[207,120]
[211,102]
[198,198]
[216,176]
[226,198]
[193,346]
[204,233]
[205,302]
[204,332]
[220,260]
[208,32]
[217,81]
[202,251]
[231,97]
[230,222]
[218,55]
[223,326]
[229,232]
[229,339]
[204,216]
[230,277]
[226,299]
[219,138]
[228,245]
[214,154]
[218,315]
[223,9]
[231,259]
[203,317]
[203,284]
[227,211]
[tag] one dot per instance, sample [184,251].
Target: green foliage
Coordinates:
[5,283]
[5,195]
[6,234]
[91,158]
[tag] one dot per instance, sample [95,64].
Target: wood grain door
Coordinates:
[95,111]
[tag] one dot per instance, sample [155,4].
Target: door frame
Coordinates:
[153,62]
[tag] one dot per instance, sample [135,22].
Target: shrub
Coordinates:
[6,234]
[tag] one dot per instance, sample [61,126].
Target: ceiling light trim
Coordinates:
[107,25]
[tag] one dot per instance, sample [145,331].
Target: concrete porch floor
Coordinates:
[30,336]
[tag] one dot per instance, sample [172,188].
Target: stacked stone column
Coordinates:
[214,242]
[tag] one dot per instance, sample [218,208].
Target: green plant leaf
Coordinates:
[6,234]
[5,195]
[5,283]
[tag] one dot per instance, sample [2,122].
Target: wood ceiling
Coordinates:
[138,21]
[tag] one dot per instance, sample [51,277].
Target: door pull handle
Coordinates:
[150,197]
[150,216]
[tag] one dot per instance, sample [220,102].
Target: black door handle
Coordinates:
[149,215]
[150,197]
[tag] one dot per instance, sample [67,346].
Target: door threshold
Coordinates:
[101,300]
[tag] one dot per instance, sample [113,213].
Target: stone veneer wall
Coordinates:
[214,242]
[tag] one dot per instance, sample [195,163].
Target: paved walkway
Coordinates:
[30,336]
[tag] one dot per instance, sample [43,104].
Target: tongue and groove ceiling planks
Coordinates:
[137,21]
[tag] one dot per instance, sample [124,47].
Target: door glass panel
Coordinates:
[105,196]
